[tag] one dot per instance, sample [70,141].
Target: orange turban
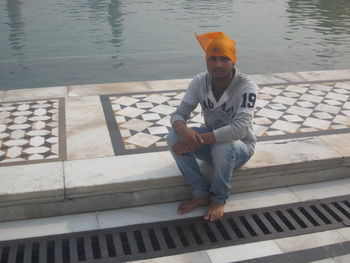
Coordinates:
[217,44]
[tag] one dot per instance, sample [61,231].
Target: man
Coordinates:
[227,98]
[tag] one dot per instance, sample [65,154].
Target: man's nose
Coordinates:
[218,63]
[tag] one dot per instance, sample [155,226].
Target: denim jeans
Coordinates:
[223,157]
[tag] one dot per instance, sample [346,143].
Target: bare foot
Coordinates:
[190,205]
[215,212]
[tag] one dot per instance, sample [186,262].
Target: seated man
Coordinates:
[226,141]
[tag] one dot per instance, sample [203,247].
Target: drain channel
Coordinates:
[180,236]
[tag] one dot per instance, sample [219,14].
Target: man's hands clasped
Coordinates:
[190,140]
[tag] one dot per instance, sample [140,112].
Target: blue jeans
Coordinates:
[224,157]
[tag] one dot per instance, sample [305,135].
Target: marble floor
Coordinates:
[34,130]
[140,122]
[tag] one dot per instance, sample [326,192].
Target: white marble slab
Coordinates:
[286,126]
[340,259]
[259,130]
[344,232]
[272,91]
[82,101]
[171,84]
[89,140]
[144,214]
[130,112]
[33,94]
[339,142]
[87,134]
[321,87]
[284,100]
[308,241]
[316,123]
[258,199]
[243,252]
[47,226]
[32,181]
[261,103]
[343,120]
[312,98]
[343,85]
[336,96]
[117,169]
[299,111]
[163,109]
[107,88]
[142,139]
[266,79]
[136,125]
[194,257]
[290,151]
[321,190]
[269,113]
[126,101]
[277,106]
[292,118]
[328,108]
[289,76]
[84,115]
[325,75]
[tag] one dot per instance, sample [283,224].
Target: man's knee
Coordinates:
[221,149]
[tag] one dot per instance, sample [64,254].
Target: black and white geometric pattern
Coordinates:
[29,131]
[143,120]
[303,108]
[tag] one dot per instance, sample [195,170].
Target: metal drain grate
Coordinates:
[180,236]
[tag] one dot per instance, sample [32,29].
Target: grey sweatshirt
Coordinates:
[230,118]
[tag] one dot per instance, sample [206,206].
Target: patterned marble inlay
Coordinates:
[142,120]
[29,131]
[315,107]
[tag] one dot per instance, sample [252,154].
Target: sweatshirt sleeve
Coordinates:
[182,113]
[241,124]
[188,103]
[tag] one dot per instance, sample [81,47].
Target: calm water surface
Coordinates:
[63,42]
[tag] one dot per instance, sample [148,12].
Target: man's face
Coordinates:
[220,67]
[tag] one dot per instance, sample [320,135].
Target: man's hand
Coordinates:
[190,140]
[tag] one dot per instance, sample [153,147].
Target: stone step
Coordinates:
[59,188]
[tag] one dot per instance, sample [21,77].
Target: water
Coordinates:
[62,42]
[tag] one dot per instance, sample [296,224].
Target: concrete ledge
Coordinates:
[244,181]
[121,181]
[31,183]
